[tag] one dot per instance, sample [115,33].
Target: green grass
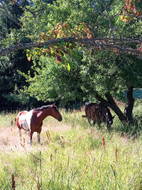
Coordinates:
[75,158]
[6,118]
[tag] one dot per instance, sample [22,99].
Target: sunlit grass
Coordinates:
[6,118]
[72,155]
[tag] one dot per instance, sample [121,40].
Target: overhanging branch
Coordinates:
[102,43]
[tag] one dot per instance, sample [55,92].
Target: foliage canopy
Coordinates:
[70,72]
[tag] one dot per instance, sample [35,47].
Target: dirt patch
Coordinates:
[10,139]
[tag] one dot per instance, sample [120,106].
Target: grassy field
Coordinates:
[73,155]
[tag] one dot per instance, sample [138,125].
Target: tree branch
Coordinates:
[101,43]
[111,103]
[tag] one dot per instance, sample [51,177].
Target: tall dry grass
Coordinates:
[73,155]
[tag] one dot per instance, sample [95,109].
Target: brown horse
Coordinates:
[32,121]
[99,113]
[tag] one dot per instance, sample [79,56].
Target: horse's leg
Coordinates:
[89,120]
[99,124]
[94,122]
[31,134]
[108,127]
[20,134]
[38,133]
[38,138]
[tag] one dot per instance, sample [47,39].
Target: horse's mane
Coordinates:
[42,108]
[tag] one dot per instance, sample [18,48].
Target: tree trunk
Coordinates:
[130,103]
[115,108]
[111,103]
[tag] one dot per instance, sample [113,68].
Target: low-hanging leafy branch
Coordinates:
[119,45]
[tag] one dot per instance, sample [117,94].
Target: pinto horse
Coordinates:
[99,113]
[32,121]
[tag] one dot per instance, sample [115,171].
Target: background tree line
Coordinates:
[71,74]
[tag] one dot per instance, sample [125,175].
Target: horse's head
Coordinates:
[109,118]
[55,113]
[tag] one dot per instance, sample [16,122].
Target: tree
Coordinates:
[98,14]
[110,76]
[55,82]
[110,38]
[10,25]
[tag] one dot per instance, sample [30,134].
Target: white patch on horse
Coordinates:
[28,119]
[25,120]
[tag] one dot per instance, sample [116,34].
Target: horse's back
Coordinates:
[99,113]
[95,112]
[89,108]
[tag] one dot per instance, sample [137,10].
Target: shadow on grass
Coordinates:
[134,129]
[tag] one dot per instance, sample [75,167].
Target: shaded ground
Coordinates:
[10,140]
